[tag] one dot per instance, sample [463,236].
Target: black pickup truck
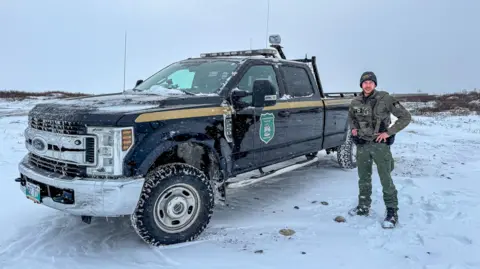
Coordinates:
[165,151]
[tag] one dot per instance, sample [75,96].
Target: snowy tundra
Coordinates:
[437,173]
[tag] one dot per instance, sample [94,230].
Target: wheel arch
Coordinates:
[206,154]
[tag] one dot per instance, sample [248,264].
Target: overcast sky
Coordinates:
[427,45]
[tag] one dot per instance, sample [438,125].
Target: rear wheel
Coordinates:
[347,153]
[175,206]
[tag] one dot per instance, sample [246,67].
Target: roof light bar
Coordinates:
[254,52]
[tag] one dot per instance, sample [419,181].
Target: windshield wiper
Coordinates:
[185,92]
[153,92]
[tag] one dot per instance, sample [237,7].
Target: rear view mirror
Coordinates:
[264,93]
[138,82]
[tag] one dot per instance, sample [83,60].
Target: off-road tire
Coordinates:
[157,182]
[346,154]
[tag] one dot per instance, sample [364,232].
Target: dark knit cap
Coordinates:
[368,75]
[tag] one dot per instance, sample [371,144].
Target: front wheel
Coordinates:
[175,205]
[347,152]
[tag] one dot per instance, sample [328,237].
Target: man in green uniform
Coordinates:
[369,119]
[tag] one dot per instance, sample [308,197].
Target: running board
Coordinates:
[270,174]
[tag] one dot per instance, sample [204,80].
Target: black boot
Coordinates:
[391,219]
[359,210]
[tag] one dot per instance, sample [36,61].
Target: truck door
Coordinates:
[269,137]
[243,129]
[306,117]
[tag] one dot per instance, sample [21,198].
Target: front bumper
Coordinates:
[91,197]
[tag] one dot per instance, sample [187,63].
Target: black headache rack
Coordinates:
[312,63]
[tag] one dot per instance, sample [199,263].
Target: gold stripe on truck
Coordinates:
[300,104]
[218,111]
[181,114]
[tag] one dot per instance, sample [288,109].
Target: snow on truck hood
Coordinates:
[112,107]
[117,102]
[111,101]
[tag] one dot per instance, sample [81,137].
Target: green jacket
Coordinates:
[371,115]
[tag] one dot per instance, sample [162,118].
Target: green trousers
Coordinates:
[382,156]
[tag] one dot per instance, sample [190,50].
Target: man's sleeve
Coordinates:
[399,111]
[351,119]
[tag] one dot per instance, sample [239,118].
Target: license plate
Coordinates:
[33,192]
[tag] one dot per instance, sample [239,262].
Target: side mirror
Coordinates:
[264,93]
[138,82]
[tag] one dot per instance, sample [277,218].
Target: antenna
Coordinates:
[268,17]
[125,61]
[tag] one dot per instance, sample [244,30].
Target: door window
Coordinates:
[297,81]
[253,73]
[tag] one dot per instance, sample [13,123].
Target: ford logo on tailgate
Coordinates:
[39,145]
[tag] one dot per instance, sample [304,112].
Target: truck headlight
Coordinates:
[113,143]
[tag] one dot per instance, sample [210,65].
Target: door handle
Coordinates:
[284,113]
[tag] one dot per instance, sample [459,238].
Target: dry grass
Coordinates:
[463,103]
[415,97]
[22,95]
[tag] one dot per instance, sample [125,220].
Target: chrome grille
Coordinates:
[57,126]
[59,167]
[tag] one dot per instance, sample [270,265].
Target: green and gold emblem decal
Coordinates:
[267,127]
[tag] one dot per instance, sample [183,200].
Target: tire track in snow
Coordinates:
[66,237]
[272,203]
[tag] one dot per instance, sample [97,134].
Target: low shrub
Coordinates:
[463,103]
[22,95]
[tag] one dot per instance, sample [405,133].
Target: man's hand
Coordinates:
[354,132]
[382,136]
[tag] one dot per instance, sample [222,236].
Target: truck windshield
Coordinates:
[201,76]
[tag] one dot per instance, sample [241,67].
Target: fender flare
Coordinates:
[216,147]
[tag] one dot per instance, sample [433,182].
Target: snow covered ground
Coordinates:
[18,108]
[437,173]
